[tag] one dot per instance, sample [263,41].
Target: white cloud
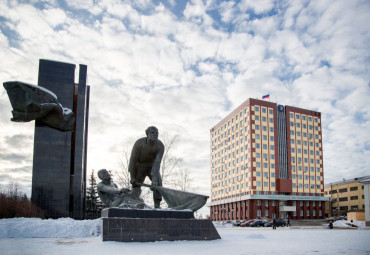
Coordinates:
[184,75]
[227,11]
[258,7]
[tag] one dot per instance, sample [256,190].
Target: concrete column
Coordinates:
[366,183]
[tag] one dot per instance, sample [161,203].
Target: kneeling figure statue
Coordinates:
[112,196]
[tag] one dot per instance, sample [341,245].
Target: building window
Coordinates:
[258,202]
[272,184]
[258,184]
[341,199]
[314,213]
[301,213]
[353,188]
[308,212]
[259,213]
[342,190]
[265,184]
[354,198]
[266,213]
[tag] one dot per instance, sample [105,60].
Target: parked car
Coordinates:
[331,219]
[227,222]
[236,223]
[258,223]
[246,223]
[279,223]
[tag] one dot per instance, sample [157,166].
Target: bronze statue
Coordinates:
[111,196]
[145,161]
[32,102]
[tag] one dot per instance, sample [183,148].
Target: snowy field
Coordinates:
[67,236]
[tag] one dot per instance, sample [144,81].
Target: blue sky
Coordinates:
[184,65]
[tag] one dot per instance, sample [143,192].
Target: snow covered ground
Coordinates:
[67,236]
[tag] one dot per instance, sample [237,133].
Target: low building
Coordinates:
[346,196]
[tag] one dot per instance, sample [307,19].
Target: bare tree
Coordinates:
[123,174]
[183,180]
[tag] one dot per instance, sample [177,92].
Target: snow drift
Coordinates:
[60,228]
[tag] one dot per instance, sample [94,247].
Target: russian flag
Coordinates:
[266,96]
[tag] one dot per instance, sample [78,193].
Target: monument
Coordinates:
[59,107]
[128,219]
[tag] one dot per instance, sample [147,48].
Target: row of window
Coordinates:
[305,143]
[312,169]
[343,190]
[305,160]
[306,177]
[259,214]
[343,199]
[305,151]
[273,203]
[291,115]
[306,186]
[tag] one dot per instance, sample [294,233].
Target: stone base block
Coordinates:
[146,213]
[157,229]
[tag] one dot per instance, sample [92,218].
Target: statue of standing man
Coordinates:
[145,161]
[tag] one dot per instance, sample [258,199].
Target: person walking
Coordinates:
[288,222]
[274,223]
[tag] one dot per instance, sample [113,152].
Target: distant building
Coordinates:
[59,158]
[267,161]
[346,196]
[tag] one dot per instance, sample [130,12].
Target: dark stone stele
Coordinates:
[135,225]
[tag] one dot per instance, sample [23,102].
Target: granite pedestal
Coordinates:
[133,225]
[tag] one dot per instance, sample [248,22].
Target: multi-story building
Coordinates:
[346,195]
[267,161]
